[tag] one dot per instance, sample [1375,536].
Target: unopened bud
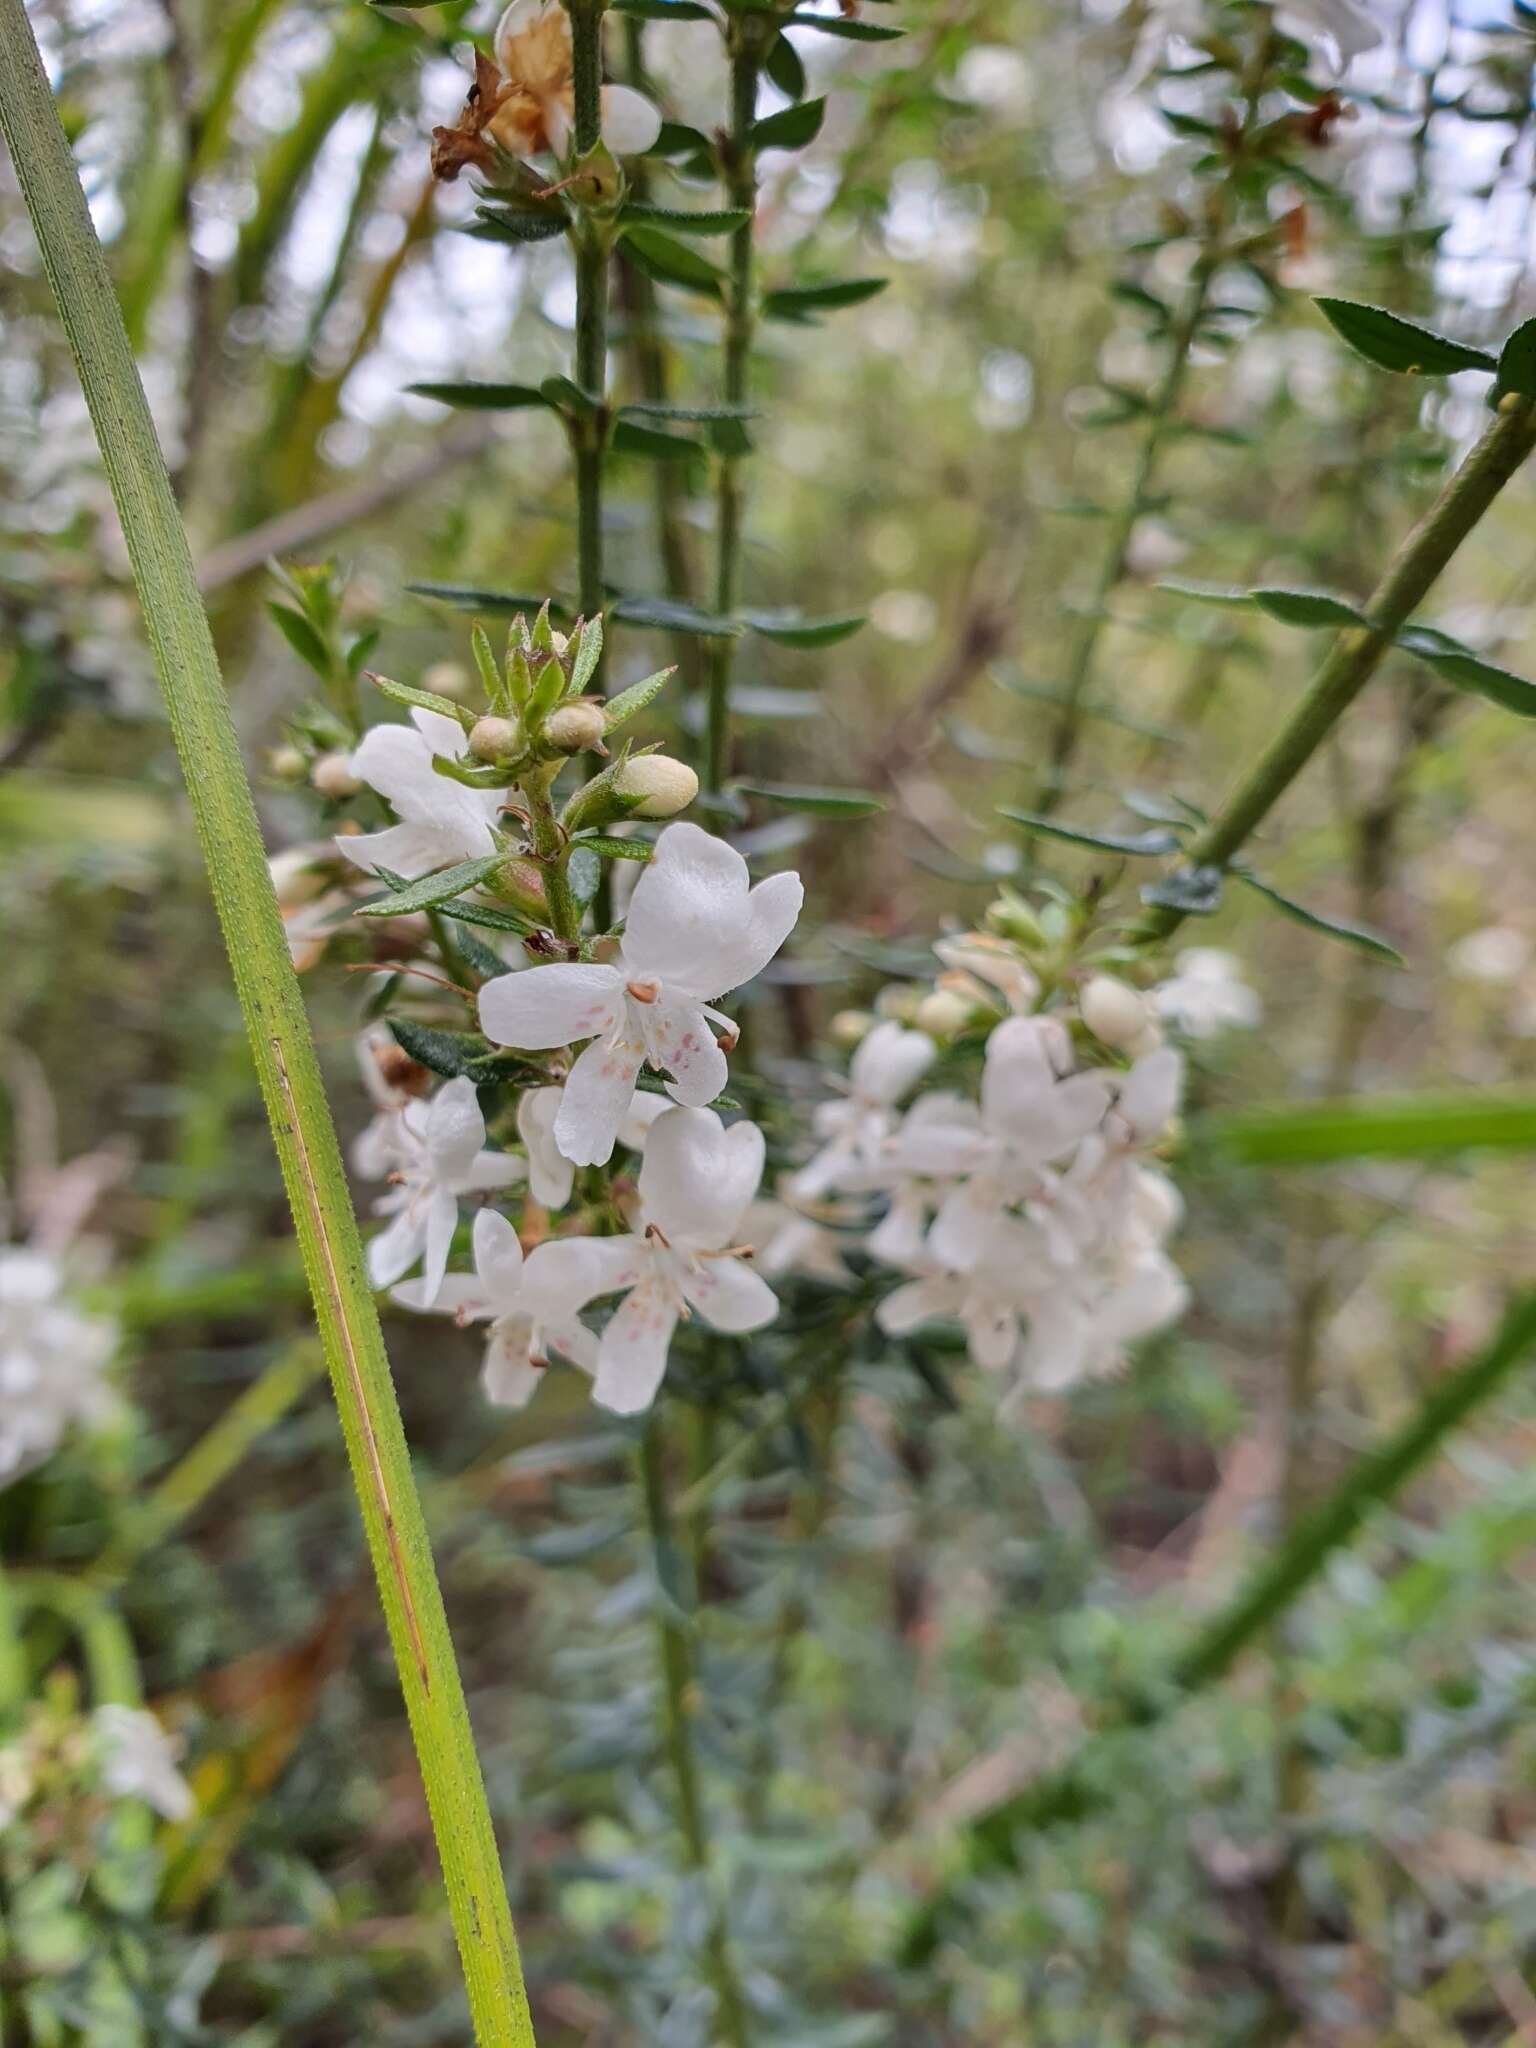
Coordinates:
[1011,917]
[332,776]
[574,728]
[664,786]
[899,1001]
[286,764]
[943,1013]
[850,1028]
[493,739]
[1113,1011]
[448,679]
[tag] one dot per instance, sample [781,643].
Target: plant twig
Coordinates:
[273,1009]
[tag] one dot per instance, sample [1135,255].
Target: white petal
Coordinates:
[679,1042]
[633,1355]
[697,1177]
[443,735]
[598,1092]
[550,1174]
[960,1228]
[395,1250]
[396,760]
[409,850]
[631,122]
[1151,1092]
[453,1130]
[491,1170]
[889,1060]
[462,1295]
[694,922]
[498,1261]
[563,1274]
[730,1296]
[541,1007]
[509,1376]
[442,1221]
[533,42]
[642,1113]
[919,1302]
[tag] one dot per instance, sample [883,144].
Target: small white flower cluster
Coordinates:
[1035,1217]
[696,929]
[53,1359]
[138,1760]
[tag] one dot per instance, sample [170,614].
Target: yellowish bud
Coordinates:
[850,1028]
[286,764]
[574,728]
[493,739]
[1113,1011]
[664,786]
[943,1013]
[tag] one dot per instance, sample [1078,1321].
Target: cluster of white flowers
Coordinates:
[53,1359]
[696,928]
[138,1760]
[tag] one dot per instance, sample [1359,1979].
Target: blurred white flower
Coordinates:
[53,1359]
[138,1760]
[1207,993]
[441,821]
[1497,953]
[686,1253]
[888,1062]
[696,929]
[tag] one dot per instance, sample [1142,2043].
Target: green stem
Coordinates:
[740,162]
[1357,653]
[590,244]
[273,1009]
[679,1705]
[1158,419]
[553,849]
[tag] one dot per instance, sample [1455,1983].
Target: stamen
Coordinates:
[643,991]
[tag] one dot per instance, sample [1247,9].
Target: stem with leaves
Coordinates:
[591,243]
[679,1705]
[284,1054]
[1358,652]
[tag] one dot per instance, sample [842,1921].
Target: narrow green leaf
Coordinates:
[682,221]
[803,303]
[434,889]
[846,25]
[662,10]
[820,803]
[481,397]
[1464,670]
[786,69]
[657,409]
[1405,1126]
[1392,343]
[449,1053]
[669,616]
[790,128]
[516,225]
[583,873]
[1517,365]
[1308,608]
[678,139]
[635,437]
[489,917]
[302,638]
[589,649]
[1134,845]
[1332,927]
[1193,892]
[468,598]
[670,261]
[423,700]
[618,710]
[608,848]
[790,629]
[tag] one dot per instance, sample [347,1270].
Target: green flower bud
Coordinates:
[495,739]
[575,728]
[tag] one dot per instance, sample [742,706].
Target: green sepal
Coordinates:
[618,710]
[421,700]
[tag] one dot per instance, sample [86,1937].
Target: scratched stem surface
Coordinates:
[274,1014]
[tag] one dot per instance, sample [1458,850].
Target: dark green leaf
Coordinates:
[607,848]
[634,437]
[1193,892]
[662,10]
[1517,364]
[672,262]
[1392,343]
[802,303]
[434,889]
[684,221]
[517,224]
[670,616]
[1132,844]
[677,139]
[301,637]
[821,803]
[1333,927]
[1416,1126]
[786,70]
[482,397]
[449,1053]
[1464,670]
[469,598]
[656,409]
[628,702]
[564,392]
[790,128]
[421,700]
[791,630]
[846,25]
[1308,608]
[490,918]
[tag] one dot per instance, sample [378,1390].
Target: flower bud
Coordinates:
[850,1028]
[493,739]
[448,679]
[663,786]
[286,764]
[899,1001]
[1113,1011]
[943,1013]
[332,776]
[575,728]
[1011,918]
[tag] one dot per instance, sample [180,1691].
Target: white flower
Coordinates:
[1342,24]
[888,1062]
[533,53]
[981,957]
[309,904]
[53,1359]
[518,1342]
[138,1761]
[437,1153]
[788,1239]
[1080,1329]
[1207,993]
[696,1182]
[551,1175]
[695,930]
[441,822]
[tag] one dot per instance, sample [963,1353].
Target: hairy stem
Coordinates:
[1357,653]
[679,1705]
[590,244]
[273,1009]
[740,164]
